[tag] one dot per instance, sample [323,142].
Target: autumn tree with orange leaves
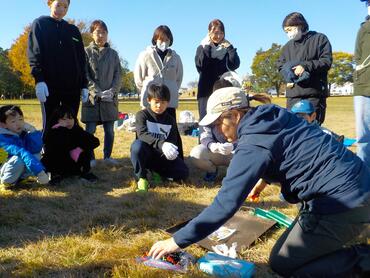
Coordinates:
[17,55]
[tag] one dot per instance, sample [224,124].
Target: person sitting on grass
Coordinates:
[213,150]
[68,148]
[157,144]
[305,109]
[331,181]
[23,145]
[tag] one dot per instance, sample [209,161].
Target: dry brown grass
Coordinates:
[96,230]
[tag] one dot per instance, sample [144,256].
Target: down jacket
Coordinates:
[150,68]
[23,145]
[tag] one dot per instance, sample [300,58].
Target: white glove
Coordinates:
[84,95]
[224,149]
[170,150]
[42,178]
[42,91]
[225,43]
[107,95]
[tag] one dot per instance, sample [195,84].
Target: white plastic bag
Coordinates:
[186,117]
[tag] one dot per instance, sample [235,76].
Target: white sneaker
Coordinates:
[111,161]
[93,163]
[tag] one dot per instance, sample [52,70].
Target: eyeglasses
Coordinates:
[217,33]
[100,33]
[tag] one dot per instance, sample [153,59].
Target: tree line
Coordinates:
[16,80]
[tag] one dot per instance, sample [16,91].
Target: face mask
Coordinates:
[293,33]
[162,46]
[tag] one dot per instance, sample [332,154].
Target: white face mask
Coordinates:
[162,46]
[292,32]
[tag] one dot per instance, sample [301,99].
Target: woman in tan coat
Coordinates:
[160,64]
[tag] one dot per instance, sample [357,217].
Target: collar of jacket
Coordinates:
[55,21]
[304,36]
[6,131]
[157,59]
[94,46]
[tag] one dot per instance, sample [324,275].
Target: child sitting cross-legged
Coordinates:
[68,148]
[23,144]
[157,143]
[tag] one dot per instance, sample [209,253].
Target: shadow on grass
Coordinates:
[77,208]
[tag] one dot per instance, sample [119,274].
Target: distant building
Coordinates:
[341,90]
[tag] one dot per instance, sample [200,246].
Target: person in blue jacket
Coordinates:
[332,183]
[23,144]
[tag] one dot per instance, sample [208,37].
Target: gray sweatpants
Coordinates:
[315,245]
[204,159]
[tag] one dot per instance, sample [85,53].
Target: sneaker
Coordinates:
[90,177]
[111,161]
[156,178]
[6,186]
[55,179]
[27,180]
[210,176]
[92,163]
[142,185]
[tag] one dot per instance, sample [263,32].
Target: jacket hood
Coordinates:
[6,131]
[264,119]
[366,26]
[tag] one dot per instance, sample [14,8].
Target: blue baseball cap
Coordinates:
[303,106]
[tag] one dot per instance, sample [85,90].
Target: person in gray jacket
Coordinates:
[104,75]
[213,150]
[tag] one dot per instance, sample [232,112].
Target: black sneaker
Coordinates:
[55,179]
[90,177]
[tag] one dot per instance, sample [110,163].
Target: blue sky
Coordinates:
[250,25]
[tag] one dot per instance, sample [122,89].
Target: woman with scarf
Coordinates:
[215,56]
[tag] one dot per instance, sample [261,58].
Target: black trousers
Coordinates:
[145,157]
[319,245]
[318,103]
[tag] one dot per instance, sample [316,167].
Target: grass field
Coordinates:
[97,230]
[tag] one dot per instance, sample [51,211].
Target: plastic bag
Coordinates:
[186,117]
[233,78]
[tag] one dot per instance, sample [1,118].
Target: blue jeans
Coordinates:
[108,136]
[14,169]
[362,113]
[145,157]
